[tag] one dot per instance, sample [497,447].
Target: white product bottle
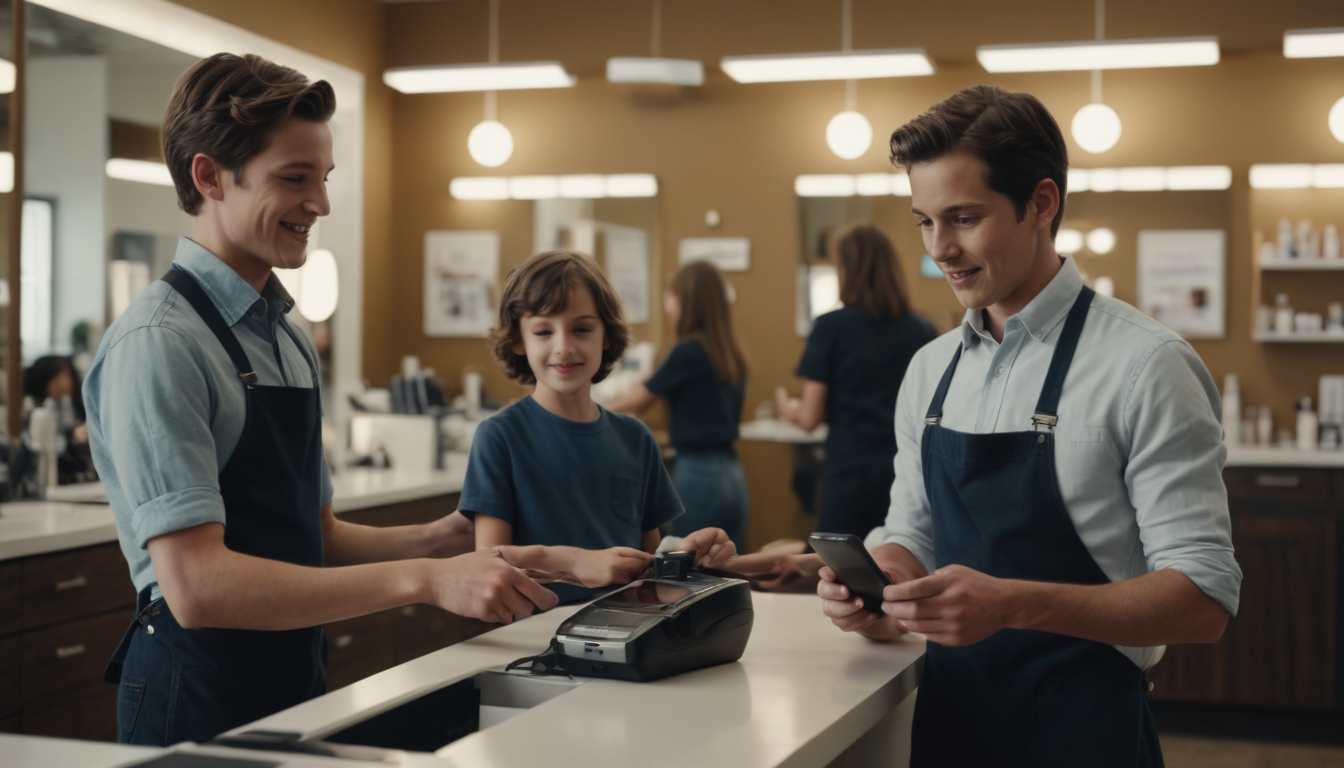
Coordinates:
[1264,427]
[1283,314]
[1330,242]
[1286,239]
[1308,427]
[1231,410]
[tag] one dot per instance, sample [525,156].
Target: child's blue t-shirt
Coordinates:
[589,484]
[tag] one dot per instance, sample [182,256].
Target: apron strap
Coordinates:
[186,285]
[1047,408]
[935,414]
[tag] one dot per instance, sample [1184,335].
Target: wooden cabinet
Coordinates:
[1283,648]
[62,615]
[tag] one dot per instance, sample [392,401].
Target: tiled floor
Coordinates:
[1191,752]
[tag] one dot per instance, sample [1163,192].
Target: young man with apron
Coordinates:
[1058,514]
[205,424]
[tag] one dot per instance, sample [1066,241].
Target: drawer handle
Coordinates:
[343,641]
[75,583]
[66,651]
[1278,481]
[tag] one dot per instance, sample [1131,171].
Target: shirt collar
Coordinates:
[230,293]
[1043,313]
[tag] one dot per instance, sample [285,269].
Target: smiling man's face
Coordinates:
[282,194]
[973,233]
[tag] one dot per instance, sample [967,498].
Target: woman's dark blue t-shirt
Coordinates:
[704,411]
[861,361]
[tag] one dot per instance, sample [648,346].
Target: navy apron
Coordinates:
[1021,697]
[180,684]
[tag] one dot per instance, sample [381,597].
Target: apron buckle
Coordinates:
[933,421]
[1043,420]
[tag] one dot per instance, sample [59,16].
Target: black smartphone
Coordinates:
[845,554]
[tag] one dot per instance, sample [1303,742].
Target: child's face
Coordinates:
[565,348]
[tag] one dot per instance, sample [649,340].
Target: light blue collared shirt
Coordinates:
[166,407]
[1138,450]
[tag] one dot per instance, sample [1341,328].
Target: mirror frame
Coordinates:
[13,346]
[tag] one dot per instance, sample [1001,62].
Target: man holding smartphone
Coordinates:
[1058,514]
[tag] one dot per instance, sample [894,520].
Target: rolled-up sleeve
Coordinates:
[909,520]
[1174,473]
[155,405]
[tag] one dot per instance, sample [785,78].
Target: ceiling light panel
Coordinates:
[857,65]
[629,69]
[1313,43]
[452,78]
[142,171]
[1100,54]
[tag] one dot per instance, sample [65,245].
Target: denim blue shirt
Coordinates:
[166,408]
[1138,450]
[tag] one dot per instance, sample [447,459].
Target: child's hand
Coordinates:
[605,567]
[712,547]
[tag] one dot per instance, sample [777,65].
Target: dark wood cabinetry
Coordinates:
[1283,648]
[62,615]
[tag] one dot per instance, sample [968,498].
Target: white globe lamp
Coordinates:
[1096,128]
[490,143]
[318,286]
[1337,120]
[1101,241]
[849,135]
[1068,241]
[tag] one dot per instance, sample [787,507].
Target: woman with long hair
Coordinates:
[704,380]
[852,369]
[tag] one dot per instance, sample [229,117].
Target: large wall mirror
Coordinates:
[100,219]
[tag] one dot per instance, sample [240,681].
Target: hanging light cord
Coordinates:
[1100,22]
[657,28]
[847,45]
[491,97]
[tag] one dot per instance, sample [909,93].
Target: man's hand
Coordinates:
[481,585]
[847,612]
[712,547]
[954,606]
[605,567]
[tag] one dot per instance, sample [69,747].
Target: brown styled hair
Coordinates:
[706,318]
[228,107]
[1012,134]
[541,286]
[870,272]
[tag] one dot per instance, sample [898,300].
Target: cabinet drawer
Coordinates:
[91,717]
[359,647]
[11,597]
[66,662]
[415,512]
[1280,484]
[422,629]
[11,665]
[75,584]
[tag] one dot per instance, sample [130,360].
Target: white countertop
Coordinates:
[776,431]
[801,693]
[37,527]
[1246,456]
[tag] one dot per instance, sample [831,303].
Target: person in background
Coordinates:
[852,369]
[555,476]
[704,380]
[53,376]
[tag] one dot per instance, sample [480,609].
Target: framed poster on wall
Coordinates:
[1182,282]
[461,269]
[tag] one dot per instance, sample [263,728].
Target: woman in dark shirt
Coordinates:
[704,379]
[851,369]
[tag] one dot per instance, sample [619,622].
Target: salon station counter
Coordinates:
[804,694]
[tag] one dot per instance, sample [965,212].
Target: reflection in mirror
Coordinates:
[11,29]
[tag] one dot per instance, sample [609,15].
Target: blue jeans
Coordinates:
[714,492]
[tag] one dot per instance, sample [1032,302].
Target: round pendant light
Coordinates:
[490,143]
[1336,119]
[1096,127]
[1068,241]
[849,134]
[1101,241]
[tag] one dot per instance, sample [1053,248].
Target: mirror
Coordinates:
[103,212]
[11,29]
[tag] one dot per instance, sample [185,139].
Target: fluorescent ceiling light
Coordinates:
[1077,182]
[628,69]
[1103,179]
[1143,179]
[587,186]
[9,76]
[6,174]
[446,78]
[825,185]
[1188,177]
[632,185]
[901,187]
[534,187]
[139,170]
[479,188]
[1313,43]
[1100,54]
[1283,176]
[875,184]
[857,65]
[1328,176]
